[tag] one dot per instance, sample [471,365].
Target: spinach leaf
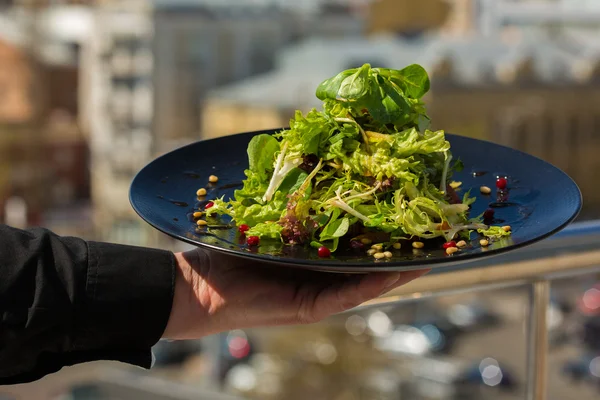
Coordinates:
[261,155]
[389,96]
[335,229]
[330,88]
[413,80]
[293,180]
[356,86]
[386,104]
[333,246]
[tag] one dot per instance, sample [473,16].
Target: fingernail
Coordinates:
[391,280]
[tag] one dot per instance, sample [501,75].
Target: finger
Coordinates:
[405,278]
[375,284]
[354,291]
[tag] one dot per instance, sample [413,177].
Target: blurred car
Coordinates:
[418,339]
[480,377]
[561,303]
[467,317]
[586,368]
[588,303]
[436,330]
[236,348]
[452,379]
[559,331]
[590,333]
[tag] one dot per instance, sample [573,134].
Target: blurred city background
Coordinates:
[91,91]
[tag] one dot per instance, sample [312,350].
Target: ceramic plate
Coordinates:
[541,200]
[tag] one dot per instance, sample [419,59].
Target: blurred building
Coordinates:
[146,67]
[199,48]
[521,90]
[20,200]
[115,104]
[211,44]
[407,17]
[144,71]
[67,176]
[15,80]
[552,16]
[44,155]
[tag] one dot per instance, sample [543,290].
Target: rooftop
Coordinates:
[471,61]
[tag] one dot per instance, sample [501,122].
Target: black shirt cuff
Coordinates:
[128,298]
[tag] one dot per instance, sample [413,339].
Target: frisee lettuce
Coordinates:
[367,160]
[494,232]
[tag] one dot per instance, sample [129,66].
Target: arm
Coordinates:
[65,301]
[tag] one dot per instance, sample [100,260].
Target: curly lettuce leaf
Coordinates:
[407,155]
[494,232]
[266,230]
[248,207]
[310,133]
[368,157]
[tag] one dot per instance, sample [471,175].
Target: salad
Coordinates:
[365,168]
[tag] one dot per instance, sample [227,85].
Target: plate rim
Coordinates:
[331,265]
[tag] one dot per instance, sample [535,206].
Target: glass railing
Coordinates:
[525,325]
[573,253]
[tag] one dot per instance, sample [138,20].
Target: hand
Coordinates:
[215,292]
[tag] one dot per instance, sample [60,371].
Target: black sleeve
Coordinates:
[65,301]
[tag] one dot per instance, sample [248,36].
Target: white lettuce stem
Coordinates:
[310,177]
[449,234]
[445,173]
[276,178]
[365,194]
[341,204]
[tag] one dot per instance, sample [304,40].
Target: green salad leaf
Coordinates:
[366,163]
[388,96]
[494,232]
[261,153]
[413,80]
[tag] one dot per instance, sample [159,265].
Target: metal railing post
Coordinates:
[537,348]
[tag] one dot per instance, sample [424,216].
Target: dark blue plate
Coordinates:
[541,200]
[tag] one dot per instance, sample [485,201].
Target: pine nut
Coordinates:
[451,250]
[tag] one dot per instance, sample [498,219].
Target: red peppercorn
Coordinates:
[501,183]
[243,228]
[324,252]
[209,205]
[488,215]
[253,241]
[449,244]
